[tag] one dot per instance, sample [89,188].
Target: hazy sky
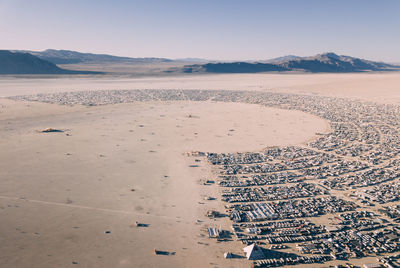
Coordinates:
[212,29]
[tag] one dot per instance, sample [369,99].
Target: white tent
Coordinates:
[254,252]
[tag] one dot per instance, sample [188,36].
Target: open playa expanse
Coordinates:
[117,164]
[122,180]
[379,87]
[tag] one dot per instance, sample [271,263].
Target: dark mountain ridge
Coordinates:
[283,58]
[25,63]
[74,57]
[233,67]
[45,63]
[321,63]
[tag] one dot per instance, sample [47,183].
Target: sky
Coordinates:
[210,29]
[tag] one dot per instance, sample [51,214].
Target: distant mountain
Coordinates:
[280,59]
[25,63]
[73,57]
[327,62]
[192,60]
[331,62]
[31,62]
[231,67]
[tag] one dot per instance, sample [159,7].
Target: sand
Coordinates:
[72,198]
[379,87]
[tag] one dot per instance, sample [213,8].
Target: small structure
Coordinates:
[254,252]
[333,228]
[372,265]
[138,224]
[212,214]
[228,255]
[253,230]
[213,232]
[50,130]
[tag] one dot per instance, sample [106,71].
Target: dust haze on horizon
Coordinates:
[223,30]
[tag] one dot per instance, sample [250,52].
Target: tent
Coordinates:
[254,252]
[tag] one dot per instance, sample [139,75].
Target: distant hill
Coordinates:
[25,63]
[192,60]
[327,62]
[33,62]
[231,67]
[331,62]
[74,57]
[283,58]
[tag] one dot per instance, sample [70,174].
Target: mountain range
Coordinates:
[280,59]
[45,62]
[25,63]
[74,57]
[326,62]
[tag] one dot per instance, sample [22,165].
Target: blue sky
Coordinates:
[215,29]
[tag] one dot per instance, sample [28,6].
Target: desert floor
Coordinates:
[379,87]
[71,199]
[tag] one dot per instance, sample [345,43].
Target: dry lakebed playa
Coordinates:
[128,172]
